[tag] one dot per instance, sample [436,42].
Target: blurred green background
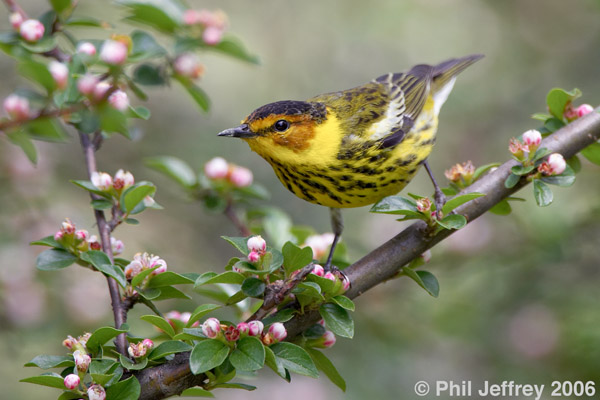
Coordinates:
[519,294]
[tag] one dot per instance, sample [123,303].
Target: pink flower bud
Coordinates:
[60,73]
[96,392]
[584,109]
[232,333]
[321,322]
[217,168]
[319,244]
[58,236]
[16,107]
[211,328]
[67,227]
[149,201]
[191,17]
[71,381]
[243,327]
[117,246]
[423,204]
[330,276]
[188,65]
[149,344]
[69,342]
[257,244]
[119,100]
[212,35]
[16,19]
[162,268]
[87,84]
[82,360]
[345,282]
[185,317]
[94,243]
[82,235]
[140,349]
[122,179]
[532,139]
[255,328]
[113,52]
[253,256]
[240,176]
[557,163]
[318,270]
[86,48]
[173,315]
[277,331]
[426,256]
[328,339]
[102,180]
[32,30]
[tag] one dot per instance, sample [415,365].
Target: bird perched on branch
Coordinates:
[353,147]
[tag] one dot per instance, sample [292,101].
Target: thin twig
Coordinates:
[119,310]
[231,214]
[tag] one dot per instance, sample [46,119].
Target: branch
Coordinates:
[384,262]
[104,229]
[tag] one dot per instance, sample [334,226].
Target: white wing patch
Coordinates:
[392,117]
[440,96]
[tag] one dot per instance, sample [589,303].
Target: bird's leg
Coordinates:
[337,225]
[438,197]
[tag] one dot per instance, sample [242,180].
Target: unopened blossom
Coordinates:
[188,65]
[243,327]
[278,331]
[253,256]
[257,244]
[82,360]
[345,282]
[517,149]
[86,48]
[459,171]
[211,328]
[82,235]
[318,270]
[116,245]
[423,204]
[140,349]
[58,236]
[329,339]
[87,84]
[96,392]
[212,35]
[555,165]
[70,342]
[119,100]
[31,30]
[67,227]
[149,201]
[232,333]
[584,109]
[185,317]
[16,19]
[101,180]
[255,328]
[123,179]
[330,276]
[191,17]
[113,52]
[16,107]
[240,176]
[319,244]
[101,90]
[217,168]
[94,243]
[532,139]
[426,256]
[71,381]
[148,343]
[60,73]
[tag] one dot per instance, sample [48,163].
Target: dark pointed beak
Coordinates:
[242,131]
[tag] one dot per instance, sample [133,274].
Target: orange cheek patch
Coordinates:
[296,138]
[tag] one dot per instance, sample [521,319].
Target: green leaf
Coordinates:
[282,315]
[53,259]
[201,311]
[540,153]
[160,323]
[139,278]
[234,385]
[344,302]
[102,263]
[199,95]
[144,46]
[89,186]
[37,73]
[86,21]
[511,181]
[101,204]
[295,257]
[45,362]
[45,44]
[168,278]
[128,389]
[324,364]
[209,278]
[239,243]
[275,364]
[338,320]
[60,5]
[459,200]
[253,287]
[501,208]
[232,47]
[101,336]
[522,170]
[325,284]
[567,178]
[553,124]
[165,292]
[113,120]
[592,153]
[541,116]
[140,112]
[196,392]
[575,163]
[542,193]
[396,205]
[236,298]
[47,241]
[148,75]
[135,195]
[207,355]
[174,168]
[47,129]
[452,221]
[132,366]
[558,99]
[249,354]
[89,121]
[162,14]
[295,359]
[483,169]
[21,139]
[168,347]
[50,379]
[425,279]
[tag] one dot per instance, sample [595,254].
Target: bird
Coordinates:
[353,147]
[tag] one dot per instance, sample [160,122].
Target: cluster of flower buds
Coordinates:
[142,262]
[554,165]
[524,149]
[188,65]
[257,247]
[17,107]
[77,344]
[213,329]
[212,24]
[140,349]
[106,183]
[77,240]
[82,361]
[320,244]
[90,86]
[96,392]
[31,30]
[461,174]
[114,52]
[218,169]
[342,283]
[572,113]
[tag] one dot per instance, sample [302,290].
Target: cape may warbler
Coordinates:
[353,147]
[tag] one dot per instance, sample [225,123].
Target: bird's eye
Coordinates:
[282,125]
